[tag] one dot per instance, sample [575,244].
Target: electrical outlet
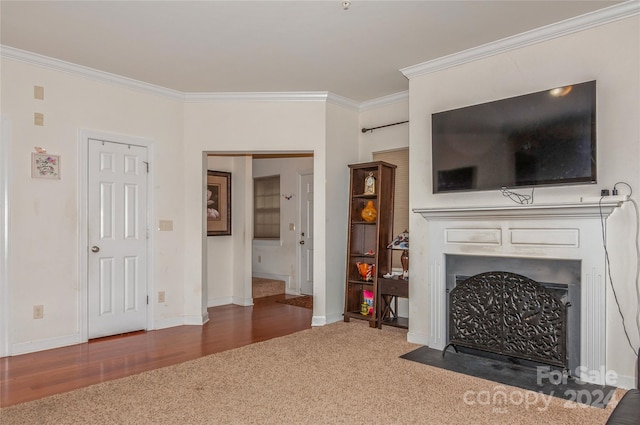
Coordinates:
[160,296]
[38,311]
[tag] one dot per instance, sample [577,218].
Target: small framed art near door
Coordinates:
[218,205]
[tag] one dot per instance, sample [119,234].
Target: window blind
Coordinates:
[266,207]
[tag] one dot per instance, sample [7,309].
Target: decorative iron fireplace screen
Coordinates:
[508,314]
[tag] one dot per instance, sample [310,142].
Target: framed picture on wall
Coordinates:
[218,203]
[45,166]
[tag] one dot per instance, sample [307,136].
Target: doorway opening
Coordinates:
[243,269]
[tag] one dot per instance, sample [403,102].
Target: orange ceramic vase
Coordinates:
[366,271]
[369,212]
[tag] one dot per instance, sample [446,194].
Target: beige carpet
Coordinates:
[344,373]
[262,287]
[305,301]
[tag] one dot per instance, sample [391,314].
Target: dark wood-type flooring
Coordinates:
[31,376]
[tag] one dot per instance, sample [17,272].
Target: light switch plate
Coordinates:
[165,225]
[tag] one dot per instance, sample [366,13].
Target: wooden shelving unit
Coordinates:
[367,241]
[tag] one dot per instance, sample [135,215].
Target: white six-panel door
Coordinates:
[117,236]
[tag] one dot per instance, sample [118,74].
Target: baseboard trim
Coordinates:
[318,321]
[169,322]
[326,320]
[45,344]
[196,320]
[216,302]
[624,381]
[244,302]
[73,339]
[417,338]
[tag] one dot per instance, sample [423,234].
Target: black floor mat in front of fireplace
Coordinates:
[544,379]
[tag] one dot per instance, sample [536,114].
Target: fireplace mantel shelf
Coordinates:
[600,208]
[506,237]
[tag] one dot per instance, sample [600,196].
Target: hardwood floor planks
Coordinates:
[32,376]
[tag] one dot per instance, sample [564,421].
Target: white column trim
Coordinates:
[5,315]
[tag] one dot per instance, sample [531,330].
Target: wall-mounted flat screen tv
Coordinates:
[543,138]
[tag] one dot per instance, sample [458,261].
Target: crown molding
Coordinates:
[8,52]
[343,101]
[83,71]
[255,96]
[568,26]
[316,96]
[384,101]
[613,13]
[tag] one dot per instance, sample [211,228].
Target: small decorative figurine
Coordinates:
[370,185]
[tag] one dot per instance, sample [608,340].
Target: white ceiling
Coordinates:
[270,46]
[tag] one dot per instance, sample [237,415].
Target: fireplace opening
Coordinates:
[511,315]
[559,277]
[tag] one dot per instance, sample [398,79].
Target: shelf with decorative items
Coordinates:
[371,197]
[391,287]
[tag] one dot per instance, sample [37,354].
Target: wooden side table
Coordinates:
[389,290]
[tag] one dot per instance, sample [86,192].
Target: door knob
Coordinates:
[95,249]
[301,242]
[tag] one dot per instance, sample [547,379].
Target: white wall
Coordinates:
[243,126]
[5,138]
[44,260]
[43,249]
[221,277]
[609,54]
[388,138]
[342,149]
[278,259]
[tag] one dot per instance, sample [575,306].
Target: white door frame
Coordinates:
[299,212]
[83,234]
[5,328]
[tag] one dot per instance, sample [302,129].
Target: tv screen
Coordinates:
[543,138]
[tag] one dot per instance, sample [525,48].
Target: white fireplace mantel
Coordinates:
[589,208]
[560,231]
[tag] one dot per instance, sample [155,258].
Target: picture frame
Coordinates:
[45,166]
[218,203]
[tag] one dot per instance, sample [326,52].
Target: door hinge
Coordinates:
[147,164]
[147,299]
